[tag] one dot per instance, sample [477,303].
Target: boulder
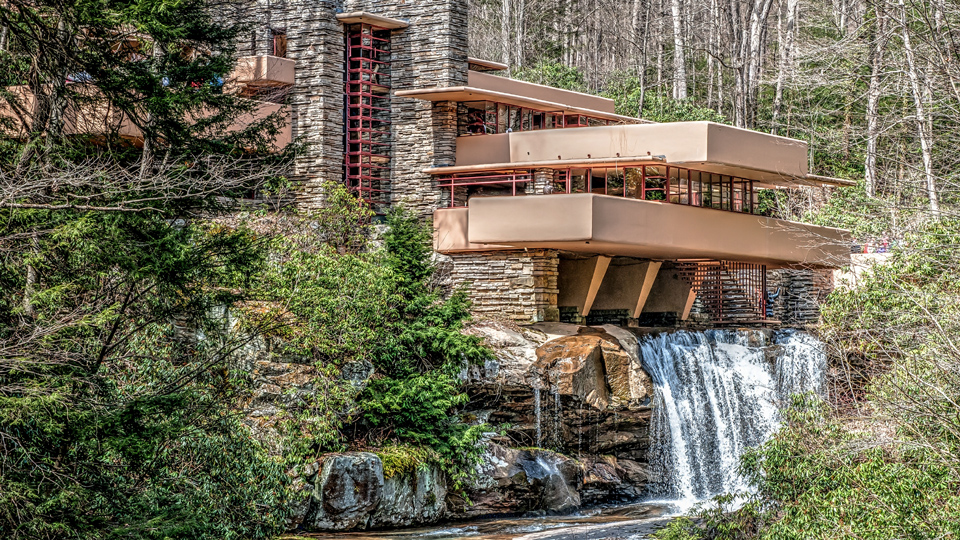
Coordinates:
[413,498]
[514,348]
[630,373]
[608,479]
[347,490]
[575,366]
[512,480]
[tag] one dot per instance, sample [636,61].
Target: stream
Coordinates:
[630,522]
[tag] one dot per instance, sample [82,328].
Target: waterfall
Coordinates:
[557,419]
[536,406]
[719,393]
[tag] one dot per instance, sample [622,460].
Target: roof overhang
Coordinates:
[770,161]
[546,164]
[358,17]
[486,65]
[614,226]
[470,93]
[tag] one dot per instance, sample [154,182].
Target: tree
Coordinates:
[117,399]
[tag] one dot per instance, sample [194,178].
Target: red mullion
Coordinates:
[369,130]
[370,107]
[365,59]
[367,94]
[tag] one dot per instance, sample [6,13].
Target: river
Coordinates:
[630,522]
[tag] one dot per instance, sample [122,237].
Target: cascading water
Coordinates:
[719,394]
[536,408]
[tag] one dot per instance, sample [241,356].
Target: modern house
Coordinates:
[546,203]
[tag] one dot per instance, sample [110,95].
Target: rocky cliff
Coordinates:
[569,409]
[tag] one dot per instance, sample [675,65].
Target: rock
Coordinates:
[514,348]
[358,372]
[300,502]
[412,499]
[638,381]
[512,480]
[608,479]
[347,490]
[575,366]
[633,473]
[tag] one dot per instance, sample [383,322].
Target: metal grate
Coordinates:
[369,141]
[728,292]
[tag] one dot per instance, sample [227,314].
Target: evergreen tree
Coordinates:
[116,395]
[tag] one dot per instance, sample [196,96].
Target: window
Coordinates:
[279,43]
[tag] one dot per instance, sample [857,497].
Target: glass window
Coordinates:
[473,118]
[502,113]
[578,180]
[615,178]
[655,183]
[514,123]
[632,177]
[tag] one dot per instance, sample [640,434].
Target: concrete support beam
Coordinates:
[580,280]
[627,285]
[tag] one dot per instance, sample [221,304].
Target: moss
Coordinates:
[401,459]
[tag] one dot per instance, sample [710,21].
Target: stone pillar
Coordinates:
[542,182]
[315,41]
[517,285]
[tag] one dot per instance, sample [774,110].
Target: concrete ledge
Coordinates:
[606,225]
[358,17]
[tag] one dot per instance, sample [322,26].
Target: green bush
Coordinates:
[382,306]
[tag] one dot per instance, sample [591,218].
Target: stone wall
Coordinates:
[794,296]
[517,285]
[315,41]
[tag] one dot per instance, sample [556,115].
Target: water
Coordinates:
[717,395]
[536,408]
[633,522]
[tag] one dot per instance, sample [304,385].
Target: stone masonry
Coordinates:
[315,41]
[516,285]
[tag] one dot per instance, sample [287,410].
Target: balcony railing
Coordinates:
[665,183]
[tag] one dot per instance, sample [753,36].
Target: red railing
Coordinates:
[728,292]
[462,188]
[369,142]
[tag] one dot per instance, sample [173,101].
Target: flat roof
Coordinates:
[769,160]
[469,93]
[358,17]
[486,65]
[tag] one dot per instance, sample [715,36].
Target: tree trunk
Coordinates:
[679,62]
[921,114]
[786,59]
[877,46]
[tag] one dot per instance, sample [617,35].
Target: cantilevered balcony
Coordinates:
[768,160]
[615,226]
[484,87]
[259,78]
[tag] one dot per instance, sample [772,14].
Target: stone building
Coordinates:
[548,204]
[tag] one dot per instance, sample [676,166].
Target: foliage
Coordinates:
[625,90]
[344,221]
[851,209]
[383,307]
[399,459]
[553,74]
[109,404]
[118,401]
